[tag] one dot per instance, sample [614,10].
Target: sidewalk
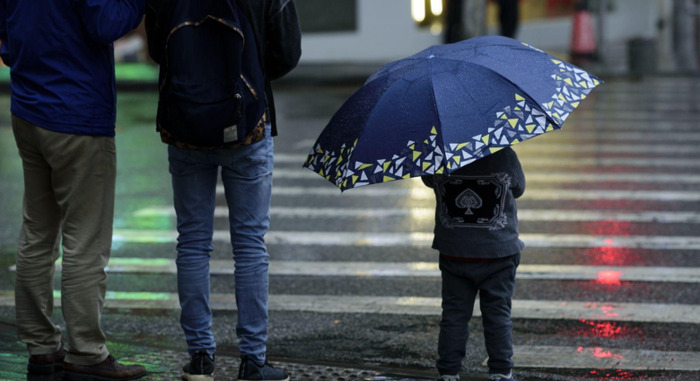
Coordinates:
[165,364]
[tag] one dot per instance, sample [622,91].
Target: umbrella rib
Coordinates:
[520,90]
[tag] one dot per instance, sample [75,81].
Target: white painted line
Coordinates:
[583,194]
[533,147]
[417,191]
[538,147]
[588,136]
[600,359]
[631,125]
[593,215]
[424,239]
[602,274]
[416,213]
[666,178]
[393,305]
[633,115]
[651,149]
[560,161]
[552,177]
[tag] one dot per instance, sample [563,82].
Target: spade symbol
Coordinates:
[468,200]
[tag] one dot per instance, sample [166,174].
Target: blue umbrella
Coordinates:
[445,107]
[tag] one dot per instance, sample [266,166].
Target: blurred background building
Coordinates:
[667,31]
[637,36]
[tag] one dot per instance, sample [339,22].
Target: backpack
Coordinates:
[212,88]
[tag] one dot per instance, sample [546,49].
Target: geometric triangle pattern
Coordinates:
[573,86]
[417,158]
[520,119]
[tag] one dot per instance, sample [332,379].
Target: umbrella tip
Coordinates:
[431,56]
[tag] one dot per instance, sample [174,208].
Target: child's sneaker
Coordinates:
[250,371]
[501,377]
[200,368]
[447,377]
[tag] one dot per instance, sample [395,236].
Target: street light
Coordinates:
[427,12]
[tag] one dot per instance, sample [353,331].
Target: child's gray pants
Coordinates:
[494,281]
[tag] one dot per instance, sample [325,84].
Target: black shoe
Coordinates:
[250,371]
[107,370]
[200,368]
[46,364]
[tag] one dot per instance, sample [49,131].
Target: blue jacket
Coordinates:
[61,60]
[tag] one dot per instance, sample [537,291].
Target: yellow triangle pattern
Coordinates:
[423,156]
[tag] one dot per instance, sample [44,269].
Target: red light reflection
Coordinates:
[606,309]
[607,330]
[608,253]
[599,353]
[609,277]
[612,228]
[612,256]
[618,374]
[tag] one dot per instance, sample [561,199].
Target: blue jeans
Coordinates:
[494,281]
[246,174]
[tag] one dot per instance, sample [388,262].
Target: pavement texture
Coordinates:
[161,350]
[165,364]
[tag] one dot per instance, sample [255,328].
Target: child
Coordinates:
[476,233]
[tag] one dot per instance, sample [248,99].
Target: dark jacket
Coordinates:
[62,60]
[277,34]
[476,214]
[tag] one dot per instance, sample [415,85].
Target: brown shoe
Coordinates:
[107,370]
[46,364]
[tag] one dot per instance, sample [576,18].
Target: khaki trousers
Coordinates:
[68,202]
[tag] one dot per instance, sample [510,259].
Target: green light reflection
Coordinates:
[122,295]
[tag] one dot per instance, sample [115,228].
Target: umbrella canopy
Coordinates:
[445,107]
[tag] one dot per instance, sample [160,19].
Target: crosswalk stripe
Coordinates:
[429,213]
[561,162]
[632,125]
[634,115]
[423,239]
[538,147]
[409,305]
[613,135]
[415,190]
[560,177]
[599,359]
[602,274]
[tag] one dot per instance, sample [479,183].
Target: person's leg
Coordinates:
[83,174]
[508,15]
[247,178]
[194,193]
[38,247]
[458,295]
[495,294]
[454,30]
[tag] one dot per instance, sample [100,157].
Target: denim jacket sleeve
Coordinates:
[283,48]
[107,20]
[4,50]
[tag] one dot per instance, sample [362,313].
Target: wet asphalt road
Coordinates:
[617,189]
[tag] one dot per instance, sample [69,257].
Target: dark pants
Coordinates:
[494,281]
[508,17]
[454,30]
